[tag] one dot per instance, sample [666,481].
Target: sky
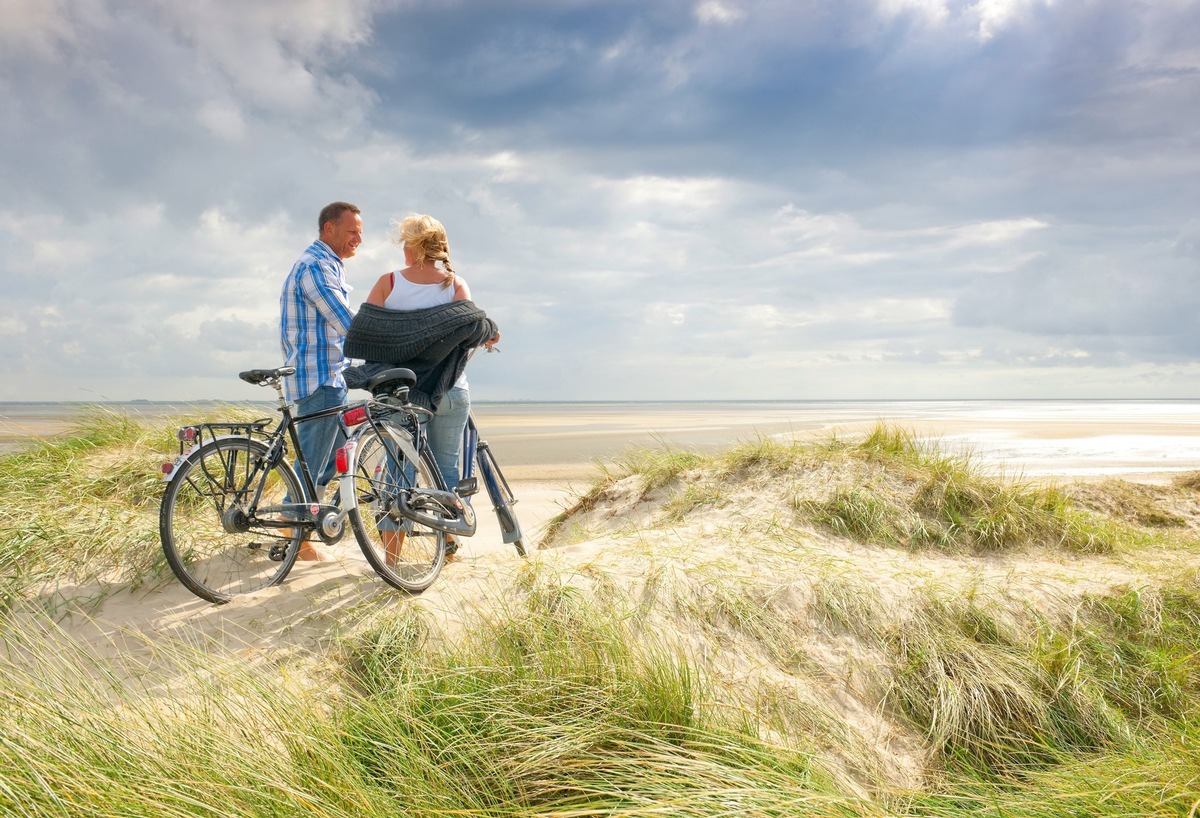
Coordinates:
[654,199]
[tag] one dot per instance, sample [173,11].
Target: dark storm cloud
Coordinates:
[779,76]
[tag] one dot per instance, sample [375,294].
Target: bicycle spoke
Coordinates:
[215,543]
[405,554]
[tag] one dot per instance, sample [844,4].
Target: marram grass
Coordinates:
[951,504]
[948,504]
[558,708]
[81,509]
[570,701]
[548,709]
[557,705]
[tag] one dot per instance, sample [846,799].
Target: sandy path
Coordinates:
[316,602]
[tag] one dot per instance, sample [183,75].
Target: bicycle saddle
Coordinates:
[388,377]
[261,376]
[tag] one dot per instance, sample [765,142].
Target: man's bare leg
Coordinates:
[393,543]
[308,551]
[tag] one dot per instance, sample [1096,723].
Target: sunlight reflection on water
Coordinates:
[1099,455]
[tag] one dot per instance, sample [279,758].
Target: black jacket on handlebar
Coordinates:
[434,343]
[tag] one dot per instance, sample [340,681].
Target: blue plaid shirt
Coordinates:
[314,318]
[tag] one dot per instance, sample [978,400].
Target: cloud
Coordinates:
[713,12]
[1187,242]
[1097,302]
[38,28]
[687,198]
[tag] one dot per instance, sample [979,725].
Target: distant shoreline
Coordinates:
[1127,437]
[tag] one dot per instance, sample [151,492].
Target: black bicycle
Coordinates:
[235,511]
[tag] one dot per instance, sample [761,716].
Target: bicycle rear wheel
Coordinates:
[212,542]
[406,554]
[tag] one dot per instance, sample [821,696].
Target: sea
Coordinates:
[1068,438]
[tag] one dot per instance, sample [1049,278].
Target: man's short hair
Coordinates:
[332,212]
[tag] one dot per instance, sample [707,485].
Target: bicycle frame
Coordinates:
[309,511]
[329,519]
[409,443]
[237,508]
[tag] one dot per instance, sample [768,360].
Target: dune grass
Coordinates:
[698,693]
[560,708]
[555,707]
[1003,694]
[950,503]
[81,509]
[915,495]
[564,705]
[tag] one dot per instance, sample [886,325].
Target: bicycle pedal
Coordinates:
[277,552]
[467,486]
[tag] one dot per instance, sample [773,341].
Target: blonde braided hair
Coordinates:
[426,238]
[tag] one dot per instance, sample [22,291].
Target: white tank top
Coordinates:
[408,296]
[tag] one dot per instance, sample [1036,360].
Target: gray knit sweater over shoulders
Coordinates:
[433,342]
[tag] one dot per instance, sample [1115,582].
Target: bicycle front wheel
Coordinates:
[406,554]
[214,523]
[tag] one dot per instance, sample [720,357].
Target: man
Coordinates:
[314,318]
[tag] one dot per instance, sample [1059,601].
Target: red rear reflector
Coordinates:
[355,416]
[187,433]
[168,468]
[342,460]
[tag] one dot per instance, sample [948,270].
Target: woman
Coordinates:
[422,289]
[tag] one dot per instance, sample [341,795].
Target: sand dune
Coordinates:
[550,455]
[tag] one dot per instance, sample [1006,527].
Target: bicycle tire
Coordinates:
[410,563]
[210,560]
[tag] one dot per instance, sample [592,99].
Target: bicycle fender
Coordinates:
[510,529]
[406,446]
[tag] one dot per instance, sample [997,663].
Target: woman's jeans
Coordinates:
[445,433]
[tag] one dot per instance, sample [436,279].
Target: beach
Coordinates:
[1144,440]
[550,451]
[536,440]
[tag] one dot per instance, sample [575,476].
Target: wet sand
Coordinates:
[564,441]
[1139,439]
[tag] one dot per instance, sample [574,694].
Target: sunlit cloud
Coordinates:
[893,197]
